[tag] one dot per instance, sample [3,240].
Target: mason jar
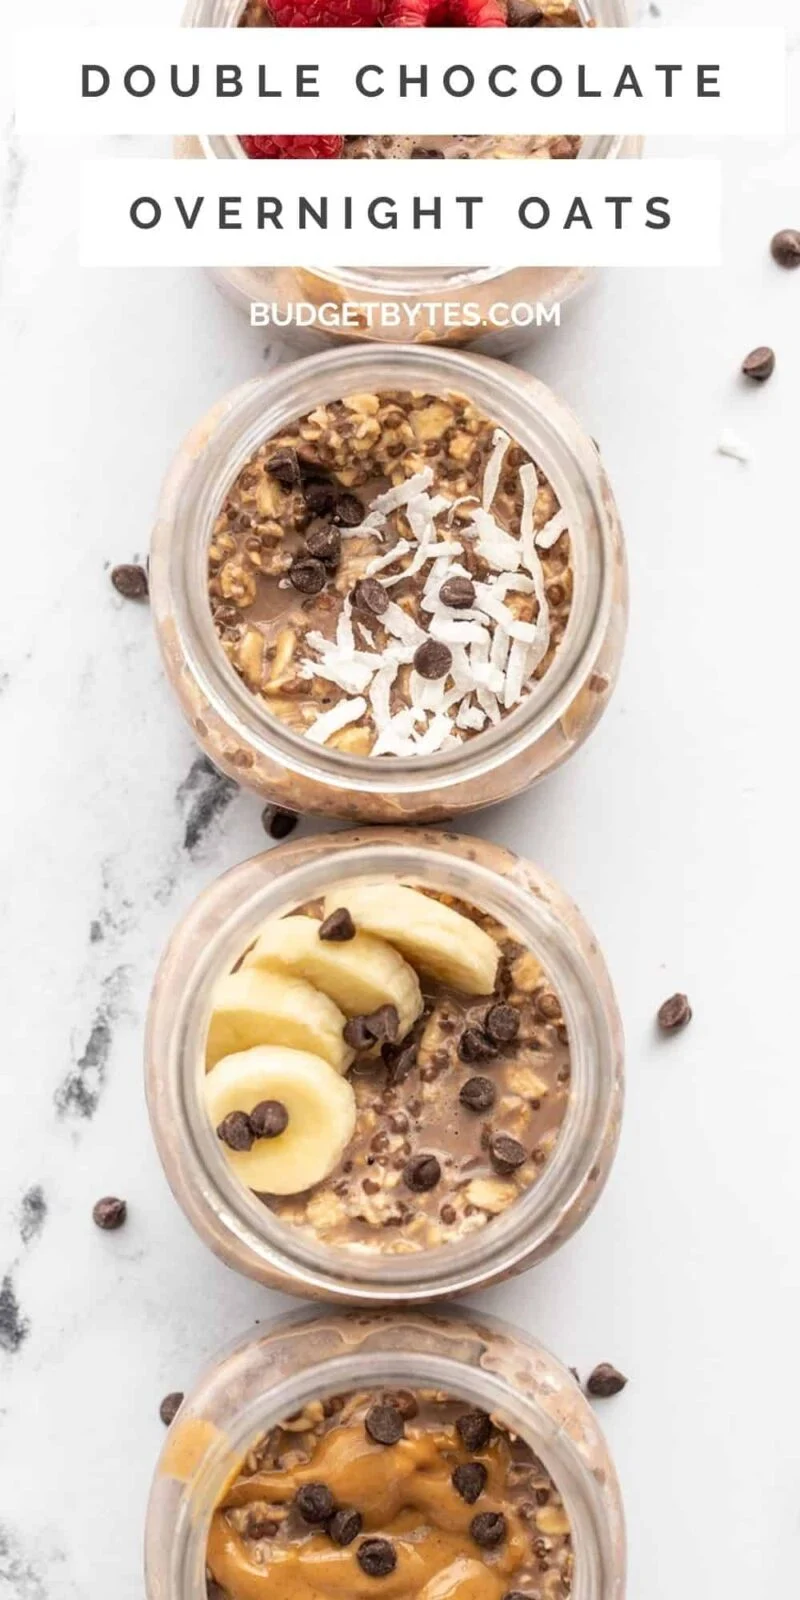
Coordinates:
[483,288]
[210,940]
[274,1372]
[234,726]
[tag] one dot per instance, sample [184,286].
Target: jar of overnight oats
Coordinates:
[384,1066]
[462,306]
[431,1455]
[389,586]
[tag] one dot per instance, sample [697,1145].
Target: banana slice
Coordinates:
[321,1107]
[437,939]
[253,1006]
[359,974]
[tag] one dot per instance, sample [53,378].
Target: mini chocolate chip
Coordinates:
[235,1131]
[469,1480]
[384,1424]
[320,497]
[338,927]
[400,1061]
[109,1213]
[344,1526]
[260,1527]
[130,581]
[475,1045]
[760,364]
[378,1027]
[377,1557]
[506,1154]
[278,823]
[785,247]
[325,544]
[423,152]
[502,1023]
[170,1406]
[403,1401]
[674,1013]
[315,1503]
[357,1034]
[478,1094]
[474,1429]
[269,1119]
[433,659]
[488,1529]
[285,467]
[307,575]
[370,595]
[459,593]
[421,1173]
[605,1381]
[348,511]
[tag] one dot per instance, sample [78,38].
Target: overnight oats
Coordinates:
[391,1065]
[394,573]
[497,308]
[392,1453]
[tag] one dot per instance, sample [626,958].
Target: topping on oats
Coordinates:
[317,1103]
[391,575]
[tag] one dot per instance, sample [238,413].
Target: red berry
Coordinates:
[292,146]
[407,14]
[327,13]
[477,14]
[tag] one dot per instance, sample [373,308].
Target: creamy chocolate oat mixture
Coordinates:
[406,1493]
[431,1112]
[391,574]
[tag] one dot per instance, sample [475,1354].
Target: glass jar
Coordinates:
[212,936]
[274,1373]
[239,734]
[481,287]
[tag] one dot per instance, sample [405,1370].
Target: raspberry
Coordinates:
[327,13]
[292,146]
[472,14]
[407,14]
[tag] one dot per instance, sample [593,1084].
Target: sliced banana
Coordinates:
[320,1104]
[254,1006]
[359,974]
[438,940]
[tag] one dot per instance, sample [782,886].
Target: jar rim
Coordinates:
[195,489]
[177,1028]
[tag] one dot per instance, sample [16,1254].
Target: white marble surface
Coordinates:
[673,829]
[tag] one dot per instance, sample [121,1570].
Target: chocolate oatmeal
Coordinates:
[412,1491]
[391,574]
[389,1069]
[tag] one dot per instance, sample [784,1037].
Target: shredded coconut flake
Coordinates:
[388,558]
[393,499]
[403,627]
[340,716]
[552,530]
[730,444]
[494,467]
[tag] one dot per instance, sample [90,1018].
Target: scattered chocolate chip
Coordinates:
[370,595]
[459,593]
[674,1013]
[475,1045]
[235,1131]
[307,575]
[325,544]
[478,1094]
[433,659]
[488,1529]
[502,1023]
[400,1061]
[377,1557]
[344,1526]
[109,1213]
[785,247]
[357,1034]
[285,467]
[469,1480]
[505,1153]
[403,1401]
[269,1119]
[474,1429]
[315,1503]
[320,497]
[384,1424]
[379,1027]
[278,823]
[348,511]
[261,1527]
[130,581]
[170,1406]
[605,1381]
[421,1173]
[760,364]
[423,152]
[338,927]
